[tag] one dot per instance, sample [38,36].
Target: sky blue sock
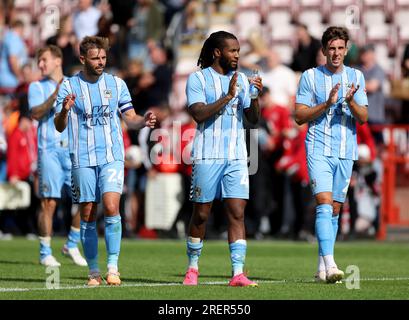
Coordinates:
[238,255]
[323,229]
[193,253]
[113,236]
[74,237]
[89,240]
[45,250]
[334,221]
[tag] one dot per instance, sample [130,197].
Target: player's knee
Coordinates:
[111,208]
[324,198]
[237,216]
[200,217]
[48,206]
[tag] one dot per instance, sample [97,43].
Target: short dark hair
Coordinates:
[333,33]
[93,43]
[215,41]
[54,50]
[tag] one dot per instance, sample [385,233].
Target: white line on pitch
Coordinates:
[144,284]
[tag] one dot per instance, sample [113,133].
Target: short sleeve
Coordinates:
[35,94]
[62,93]
[360,96]
[13,45]
[304,93]
[246,94]
[194,89]
[124,97]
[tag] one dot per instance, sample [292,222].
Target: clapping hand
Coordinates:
[333,95]
[350,93]
[68,102]
[150,119]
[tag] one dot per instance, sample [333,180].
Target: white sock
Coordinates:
[112,269]
[75,229]
[193,259]
[46,241]
[193,240]
[329,261]
[321,263]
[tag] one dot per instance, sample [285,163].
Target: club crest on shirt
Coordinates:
[107,94]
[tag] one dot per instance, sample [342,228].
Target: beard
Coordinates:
[226,65]
[93,71]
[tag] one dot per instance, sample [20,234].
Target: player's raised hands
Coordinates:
[233,85]
[150,119]
[333,95]
[68,102]
[351,92]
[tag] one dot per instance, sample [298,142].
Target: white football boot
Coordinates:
[50,261]
[75,255]
[334,275]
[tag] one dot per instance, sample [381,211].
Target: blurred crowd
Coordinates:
[146,39]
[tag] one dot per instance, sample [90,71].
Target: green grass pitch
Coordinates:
[154,270]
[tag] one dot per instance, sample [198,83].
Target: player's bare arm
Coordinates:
[201,112]
[38,112]
[253,113]
[359,112]
[136,122]
[61,118]
[304,113]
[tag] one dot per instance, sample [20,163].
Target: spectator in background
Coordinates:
[364,186]
[305,55]
[405,74]
[281,81]
[185,28]
[155,85]
[374,78]
[367,191]
[162,73]
[293,165]
[147,23]
[3,149]
[277,119]
[7,10]
[254,58]
[13,55]
[321,59]
[21,166]
[133,74]
[121,13]
[352,58]
[107,29]
[262,200]
[85,19]
[65,39]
